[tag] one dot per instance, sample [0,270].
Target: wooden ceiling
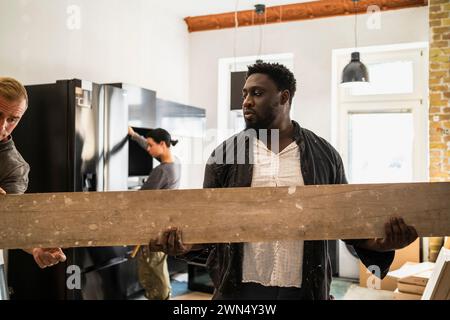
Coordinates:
[294,12]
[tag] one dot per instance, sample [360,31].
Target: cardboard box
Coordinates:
[406,296]
[413,273]
[411,253]
[413,277]
[410,288]
[420,279]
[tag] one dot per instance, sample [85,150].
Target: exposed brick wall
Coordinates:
[439,101]
[439,90]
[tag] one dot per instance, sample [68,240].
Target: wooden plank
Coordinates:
[221,215]
[438,287]
[294,12]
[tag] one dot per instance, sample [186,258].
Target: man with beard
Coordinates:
[296,156]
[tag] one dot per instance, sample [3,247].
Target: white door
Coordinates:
[382,128]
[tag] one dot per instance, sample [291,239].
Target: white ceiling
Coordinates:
[186,8]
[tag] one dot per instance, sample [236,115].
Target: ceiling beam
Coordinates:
[293,12]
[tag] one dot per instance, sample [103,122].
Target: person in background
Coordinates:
[152,266]
[13,168]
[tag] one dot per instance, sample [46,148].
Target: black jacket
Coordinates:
[13,169]
[230,166]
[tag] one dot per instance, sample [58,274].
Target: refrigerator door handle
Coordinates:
[89,182]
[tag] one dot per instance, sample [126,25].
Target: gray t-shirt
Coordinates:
[13,172]
[164,176]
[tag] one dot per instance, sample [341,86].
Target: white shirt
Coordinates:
[276,263]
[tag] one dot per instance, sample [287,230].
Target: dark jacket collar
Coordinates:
[297,136]
[6,145]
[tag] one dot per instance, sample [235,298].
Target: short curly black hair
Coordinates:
[282,76]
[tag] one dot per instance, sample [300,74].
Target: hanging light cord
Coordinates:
[260,9]
[261,34]
[356,22]
[236,25]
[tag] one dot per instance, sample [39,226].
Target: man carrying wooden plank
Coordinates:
[13,168]
[275,151]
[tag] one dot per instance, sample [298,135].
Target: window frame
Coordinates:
[344,104]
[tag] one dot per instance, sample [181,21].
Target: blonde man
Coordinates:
[13,168]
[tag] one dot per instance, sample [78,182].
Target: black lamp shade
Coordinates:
[355,71]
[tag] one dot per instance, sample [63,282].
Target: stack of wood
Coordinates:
[413,287]
[412,279]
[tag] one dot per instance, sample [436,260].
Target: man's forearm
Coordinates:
[369,244]
[197,247]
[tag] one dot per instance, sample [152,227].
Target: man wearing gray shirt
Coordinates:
[13,168]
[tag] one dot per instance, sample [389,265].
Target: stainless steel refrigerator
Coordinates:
[185,123]
[74,136]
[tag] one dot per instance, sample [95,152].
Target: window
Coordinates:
[385,156]
[394,77]
[380,128]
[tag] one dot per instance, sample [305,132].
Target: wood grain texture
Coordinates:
[221,215]
[294,12]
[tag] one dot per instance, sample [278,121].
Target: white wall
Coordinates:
[139,42]
[312,43]
[132,41]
